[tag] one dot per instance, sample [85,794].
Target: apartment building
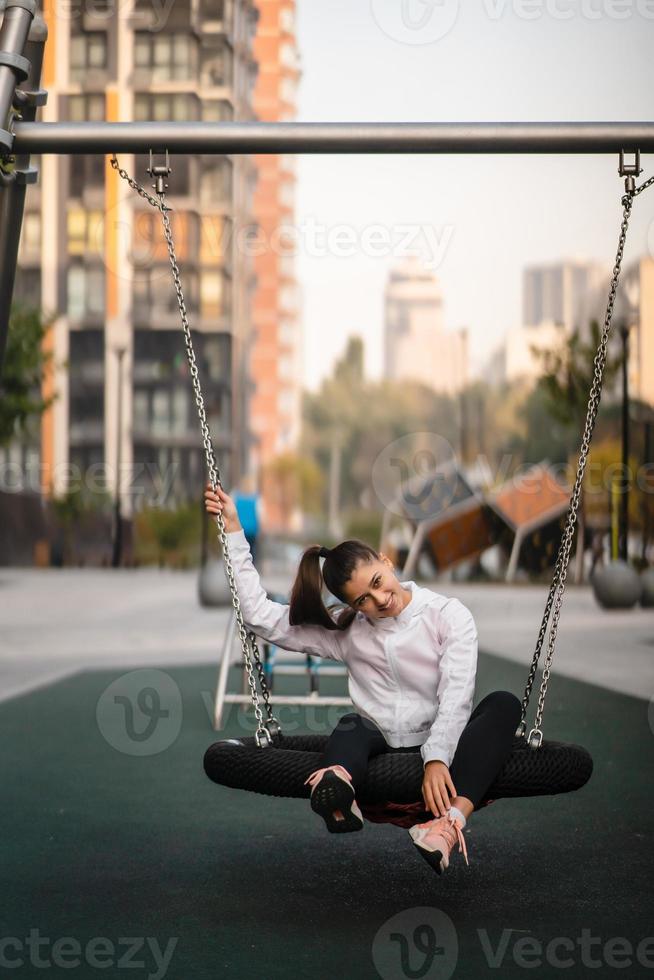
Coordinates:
[93,255]
[277,343]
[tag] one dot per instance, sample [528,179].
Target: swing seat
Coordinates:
[391,792]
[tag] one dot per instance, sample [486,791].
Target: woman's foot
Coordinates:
[332,796]
[436,838]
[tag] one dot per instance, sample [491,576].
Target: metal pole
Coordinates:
[118,525]
[624,501]
[647,453]
[20,61]
[257,137]
[14,67]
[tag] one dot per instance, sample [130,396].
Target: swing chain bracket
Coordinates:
[630,170]
[159,172]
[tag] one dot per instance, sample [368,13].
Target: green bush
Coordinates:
[168,537]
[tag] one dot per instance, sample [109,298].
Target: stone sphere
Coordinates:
[616,585]
[213,588]
[647,583]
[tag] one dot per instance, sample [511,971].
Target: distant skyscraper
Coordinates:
[562,292]
[637,307]
[416,346]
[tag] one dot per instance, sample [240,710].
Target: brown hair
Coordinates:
[307,606]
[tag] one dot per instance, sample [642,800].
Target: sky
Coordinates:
[480,219]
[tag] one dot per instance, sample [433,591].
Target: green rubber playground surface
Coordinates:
[121,864]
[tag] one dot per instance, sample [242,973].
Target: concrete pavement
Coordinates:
[54,622]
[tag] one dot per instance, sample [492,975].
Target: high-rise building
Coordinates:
[562,292]
[93,254]
[416,345]
[637,310]
[276,361]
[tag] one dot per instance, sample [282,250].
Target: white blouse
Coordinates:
[412,674]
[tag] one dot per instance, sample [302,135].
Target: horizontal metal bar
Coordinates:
[257,137]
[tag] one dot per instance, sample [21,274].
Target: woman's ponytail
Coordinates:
[307,606]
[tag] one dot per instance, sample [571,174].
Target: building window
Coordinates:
[215,239]
[85,291]
[88,52]
[285,367]
[288,55]
[179,410]
[166,57]
[286,20]
[86,171]
[217,110]
[217,63]
[85,232]
[30,235]
[215,180]
[211,293]
[154,295]
[286,402]
[217,10]
[217,353]
[86,108]
[160,107]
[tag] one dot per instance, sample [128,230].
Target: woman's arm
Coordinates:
[264,617]
[456,685]
[270,619]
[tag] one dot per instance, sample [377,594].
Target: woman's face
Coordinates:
[374,590]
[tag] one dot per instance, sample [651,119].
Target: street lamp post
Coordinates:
[623,546]
[118,521]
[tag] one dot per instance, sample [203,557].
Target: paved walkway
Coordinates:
[55,622]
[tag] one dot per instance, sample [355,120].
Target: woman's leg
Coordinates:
[483,747]
[354,740]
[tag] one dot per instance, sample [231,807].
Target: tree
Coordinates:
[565,385]
[24,367]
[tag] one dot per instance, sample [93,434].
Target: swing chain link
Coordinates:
[535,736]
[265,730]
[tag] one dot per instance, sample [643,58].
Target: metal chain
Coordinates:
[557,587]
[267,729]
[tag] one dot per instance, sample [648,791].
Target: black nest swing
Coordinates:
[277,765]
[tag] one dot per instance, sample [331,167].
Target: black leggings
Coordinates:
[485,743]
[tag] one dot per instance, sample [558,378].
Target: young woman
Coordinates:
[411,659]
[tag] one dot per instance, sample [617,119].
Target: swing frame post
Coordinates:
[22,44]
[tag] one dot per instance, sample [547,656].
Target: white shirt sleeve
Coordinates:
[456,686]
[269,619]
